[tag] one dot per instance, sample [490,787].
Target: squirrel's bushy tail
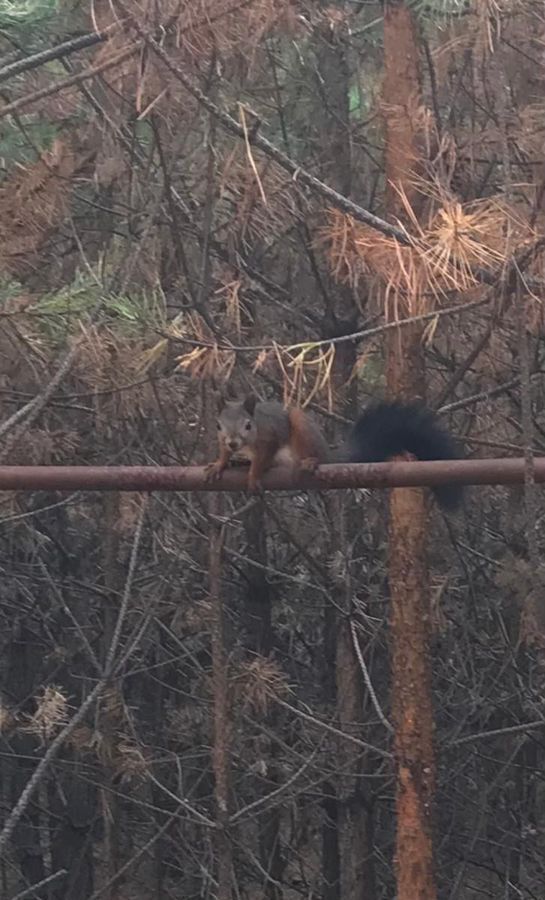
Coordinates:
[391,428]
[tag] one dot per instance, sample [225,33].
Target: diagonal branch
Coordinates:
[60,50]
[43,765]
[57,744]
[339,201]
[68,82]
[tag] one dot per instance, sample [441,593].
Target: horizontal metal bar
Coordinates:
[185,478]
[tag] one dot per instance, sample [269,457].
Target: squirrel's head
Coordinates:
[236,424]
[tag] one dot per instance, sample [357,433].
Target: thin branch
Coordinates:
[273,795]
[31,410]
[30,891]
[42,767]
[64,49]
[332,730]
[327,342]
[289,165]
[367,679]
[68,612]
[56,745]
[199,817]
[496,732]
[337,200]
[465,365]
[68,82]
[485,395]
[134,858]
[110,659]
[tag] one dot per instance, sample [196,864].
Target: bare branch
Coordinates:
[64,49]
[367,679]
[289,165]
[30,891]
[68,82]
[42,767]
[328,477]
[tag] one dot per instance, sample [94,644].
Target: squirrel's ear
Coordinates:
[225,395]
[250,403]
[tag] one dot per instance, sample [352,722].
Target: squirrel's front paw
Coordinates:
[310,464]
[213,471]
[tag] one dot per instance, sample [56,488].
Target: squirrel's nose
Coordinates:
[233,445]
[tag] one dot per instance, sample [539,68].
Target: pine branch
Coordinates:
[68,82]
[44,56]
[289,165]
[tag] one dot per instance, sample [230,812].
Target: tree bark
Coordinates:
[259,640]
[109,709]
[408,577]
[221,707]
[346,855]
[412,701]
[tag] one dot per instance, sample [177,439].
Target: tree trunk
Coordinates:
[408,577]
[411,702]
[259,640]
[346,855]
[221,707]
[356,825]
[109,707]
[258,598]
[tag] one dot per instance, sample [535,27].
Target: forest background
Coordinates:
[197,692]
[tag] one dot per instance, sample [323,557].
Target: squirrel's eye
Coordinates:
[248,425]
[218,426]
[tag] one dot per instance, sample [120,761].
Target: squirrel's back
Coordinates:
[266,433]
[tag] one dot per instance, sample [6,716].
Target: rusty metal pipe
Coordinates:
[329,477]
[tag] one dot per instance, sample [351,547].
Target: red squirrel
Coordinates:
[267,434]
